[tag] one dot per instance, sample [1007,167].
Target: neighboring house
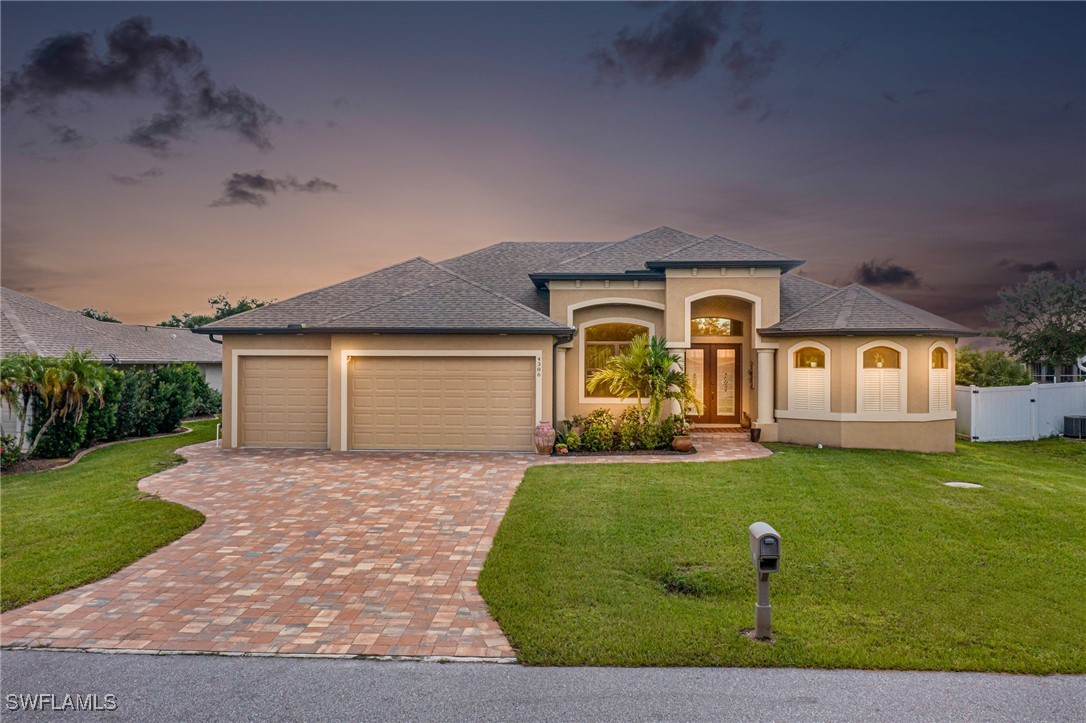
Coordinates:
[29,325]
[1056,373]
[471,353]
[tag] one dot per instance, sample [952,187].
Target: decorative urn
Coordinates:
[544,437]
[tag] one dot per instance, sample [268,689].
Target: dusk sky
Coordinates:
[936,151]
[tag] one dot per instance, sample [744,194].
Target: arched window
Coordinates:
[939,381]
[809,381]
[882,382]
[602,341]
[715,326]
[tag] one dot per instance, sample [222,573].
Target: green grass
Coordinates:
[64,528]
[882,565]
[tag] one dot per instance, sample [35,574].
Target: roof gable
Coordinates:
[628,255]
[856,309]
[415,296]
[721,251]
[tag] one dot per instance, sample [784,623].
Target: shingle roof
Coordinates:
[719,250]
[626,255]
[799,291]
[856,309]
[29,325]
[415,296]
[504,267]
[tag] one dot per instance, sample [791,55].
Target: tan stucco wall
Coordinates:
[764,284]
[573,379]
[336,344]
[563,294]
[843,368]
[934,436]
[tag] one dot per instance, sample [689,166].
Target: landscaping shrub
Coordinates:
[599,431]
[9,451]
[205,400]
[171,397]
[671,427]
[133,408]
[102,418]
[573,442]
[64,436]
[631,429]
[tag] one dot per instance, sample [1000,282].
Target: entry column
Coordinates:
[766,384]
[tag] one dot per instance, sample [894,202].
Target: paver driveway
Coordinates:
[313,552]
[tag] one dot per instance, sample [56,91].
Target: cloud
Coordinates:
[676,46]
[885,273]
[253,188]
[834,54]
[1023,267]
[65,135]
[138,178]
[140,64]
[342,102]
[890,97]
[680,43]
[923,91]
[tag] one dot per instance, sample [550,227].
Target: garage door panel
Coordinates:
[283,401]
[441,402]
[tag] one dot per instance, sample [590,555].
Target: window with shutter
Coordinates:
[881,381]
[939,381]
[809,390]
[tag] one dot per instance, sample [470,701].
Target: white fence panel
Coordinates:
[1004,414]
[1056,401]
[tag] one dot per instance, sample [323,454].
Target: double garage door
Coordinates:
[480,403]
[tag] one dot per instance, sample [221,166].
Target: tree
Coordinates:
[20,382]
[93,313]
[991,368]
[222,307]
[647,370]
[65,385]
[1043,319]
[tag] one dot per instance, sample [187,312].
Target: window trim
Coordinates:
[903,379]
[950,374]
[790,356]
[581,336]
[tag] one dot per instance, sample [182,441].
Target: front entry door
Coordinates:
[716,370]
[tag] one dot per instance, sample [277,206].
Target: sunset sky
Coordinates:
[936,151]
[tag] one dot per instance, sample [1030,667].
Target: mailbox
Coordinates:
[765,548]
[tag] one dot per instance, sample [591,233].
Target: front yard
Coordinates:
[66,527]
[883,566]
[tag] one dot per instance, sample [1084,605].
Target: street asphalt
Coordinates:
[198,687]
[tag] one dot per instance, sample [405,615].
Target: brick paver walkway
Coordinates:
[314,552]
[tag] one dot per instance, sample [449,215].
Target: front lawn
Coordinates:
[67,527]
[882,565]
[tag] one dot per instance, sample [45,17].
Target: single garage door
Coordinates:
[485,403]
[283,401]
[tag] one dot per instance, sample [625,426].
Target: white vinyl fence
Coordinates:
[1005,414]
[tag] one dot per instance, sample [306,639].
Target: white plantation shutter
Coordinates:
[939,390]
[881,390]
[809,389]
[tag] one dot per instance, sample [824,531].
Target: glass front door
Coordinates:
[716,371]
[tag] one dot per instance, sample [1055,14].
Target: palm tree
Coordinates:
[20,382]
[65,385]
[646,369]
[627,374]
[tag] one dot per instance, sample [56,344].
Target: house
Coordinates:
[29,325]
[472,352]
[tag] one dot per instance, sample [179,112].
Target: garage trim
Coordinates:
[234,359]
[348,353]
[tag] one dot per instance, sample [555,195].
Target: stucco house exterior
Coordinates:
[472,352]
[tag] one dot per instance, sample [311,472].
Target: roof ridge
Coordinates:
[847,307]
[813,304]
[20,330]
[488,290]
[682,248]
[398,297]
[321,288]
[621,241]
[898,304]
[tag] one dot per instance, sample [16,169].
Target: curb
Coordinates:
[229,654]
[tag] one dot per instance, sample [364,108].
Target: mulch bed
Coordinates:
[34,465]
[625,453]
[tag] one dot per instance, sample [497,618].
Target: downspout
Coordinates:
[554,370]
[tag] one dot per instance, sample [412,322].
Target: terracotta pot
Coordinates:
[562,449]
[544,438]
[682,443]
